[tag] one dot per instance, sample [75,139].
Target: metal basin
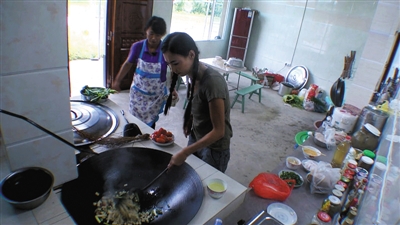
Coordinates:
[94,121]
[179,192]
[27,188]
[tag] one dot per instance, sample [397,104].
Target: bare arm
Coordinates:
[217,114]
[121,74]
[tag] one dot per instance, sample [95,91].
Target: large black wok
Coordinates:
[179,192]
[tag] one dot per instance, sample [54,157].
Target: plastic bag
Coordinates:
[324,178]
[270,186]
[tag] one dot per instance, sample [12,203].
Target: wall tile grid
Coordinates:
[34,83]
[328,32]
[385,23]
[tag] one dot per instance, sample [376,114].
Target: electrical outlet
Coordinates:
[287,64]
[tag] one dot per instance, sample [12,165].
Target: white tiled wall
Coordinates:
[325,32]
[34,83]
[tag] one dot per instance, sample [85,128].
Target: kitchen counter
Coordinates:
[300,200]
[53,212]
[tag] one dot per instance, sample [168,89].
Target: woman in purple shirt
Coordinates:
[148,90]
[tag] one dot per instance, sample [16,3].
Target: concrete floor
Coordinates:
[262,136]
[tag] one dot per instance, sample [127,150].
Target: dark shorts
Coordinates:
[217,159]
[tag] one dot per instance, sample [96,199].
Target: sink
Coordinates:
[263,218]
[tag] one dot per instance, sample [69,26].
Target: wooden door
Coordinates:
[126,20]
[240,33]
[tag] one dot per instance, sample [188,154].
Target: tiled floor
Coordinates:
[262,136]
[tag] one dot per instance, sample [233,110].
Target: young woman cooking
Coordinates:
[207,115]
[148,90]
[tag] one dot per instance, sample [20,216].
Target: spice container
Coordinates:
[366,162]
[369,154]
[321,218]
[334,206]
[337,193]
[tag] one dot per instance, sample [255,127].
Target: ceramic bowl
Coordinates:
[27,188]
[310,152]
[216,188]
[293,163]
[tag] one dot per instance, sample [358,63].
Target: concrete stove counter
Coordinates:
[53,212]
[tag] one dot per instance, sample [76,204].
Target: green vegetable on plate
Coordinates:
[97,93]
[287,175]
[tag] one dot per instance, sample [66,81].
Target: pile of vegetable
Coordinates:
[97,93]
[123,208]
[287,175]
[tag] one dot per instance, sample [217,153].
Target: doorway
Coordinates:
[100,33]
[86,43]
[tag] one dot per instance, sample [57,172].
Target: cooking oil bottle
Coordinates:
[340,153]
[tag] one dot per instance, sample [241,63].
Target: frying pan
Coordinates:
[179,192]
[337,92]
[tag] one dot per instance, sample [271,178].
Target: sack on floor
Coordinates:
[270,186]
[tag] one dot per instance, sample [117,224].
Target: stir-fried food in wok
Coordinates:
[123,208]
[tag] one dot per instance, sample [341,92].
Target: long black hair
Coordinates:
[181,43]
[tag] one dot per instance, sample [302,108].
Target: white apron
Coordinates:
[147,92]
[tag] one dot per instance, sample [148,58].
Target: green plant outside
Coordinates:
[83,40]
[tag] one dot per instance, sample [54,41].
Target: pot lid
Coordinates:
[297,76]
[91,121]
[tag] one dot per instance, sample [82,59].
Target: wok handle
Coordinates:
[45,130]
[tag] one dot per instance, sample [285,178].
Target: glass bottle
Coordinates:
[321,218]
[349,218]
[341,152]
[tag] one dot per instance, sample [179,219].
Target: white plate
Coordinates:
[164,144]
[283,213]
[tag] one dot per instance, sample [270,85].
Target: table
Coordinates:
[52,210]
[220,66]
[300,200]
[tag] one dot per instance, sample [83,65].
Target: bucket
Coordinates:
[285,88]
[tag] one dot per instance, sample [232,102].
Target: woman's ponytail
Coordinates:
[171,90]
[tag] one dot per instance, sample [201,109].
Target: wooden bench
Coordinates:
[254,80]
[253,89]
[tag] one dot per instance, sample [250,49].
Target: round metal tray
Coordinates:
[297,76]
[91,121]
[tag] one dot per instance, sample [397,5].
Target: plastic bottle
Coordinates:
[326,124]
[341,152]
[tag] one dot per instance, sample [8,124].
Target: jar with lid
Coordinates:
[366,162]
[366,138]
[321,218]
[337,193]
[369,154]
[334,206]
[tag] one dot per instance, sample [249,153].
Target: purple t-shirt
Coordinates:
[134,54]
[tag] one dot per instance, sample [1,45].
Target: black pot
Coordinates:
[179,192]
